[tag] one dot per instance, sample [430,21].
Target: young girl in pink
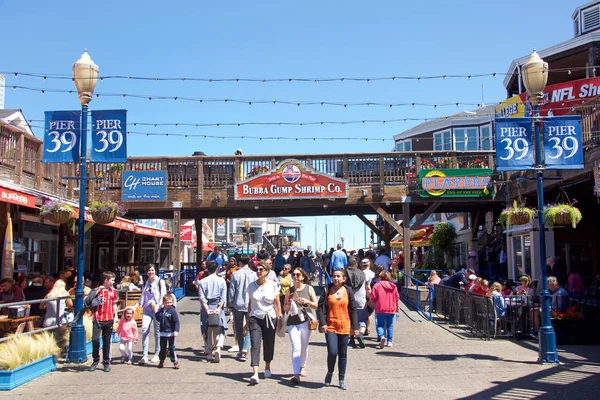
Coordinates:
[129,335]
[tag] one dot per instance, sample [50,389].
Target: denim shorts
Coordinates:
[363,316]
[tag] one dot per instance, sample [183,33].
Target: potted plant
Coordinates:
[257,170]
[516,215]
[105,211]
[442,240]
[25,357]
[116,170]
[57,211]
[562,214]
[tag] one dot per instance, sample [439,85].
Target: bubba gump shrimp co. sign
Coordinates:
[291,180]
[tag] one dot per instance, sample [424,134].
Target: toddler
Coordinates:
[129,335]
[168,321]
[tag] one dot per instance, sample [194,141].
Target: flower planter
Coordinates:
[519,218]
[16,377]
[562,218]
[104,217]
[60,217]
[575,332]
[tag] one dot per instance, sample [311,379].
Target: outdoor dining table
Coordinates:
[17,325]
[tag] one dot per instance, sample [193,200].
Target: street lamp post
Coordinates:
[85,75]
[247,225]
[535,76]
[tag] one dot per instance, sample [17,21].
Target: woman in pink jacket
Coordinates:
[384,296]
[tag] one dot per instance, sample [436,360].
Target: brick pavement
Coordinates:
[426,360]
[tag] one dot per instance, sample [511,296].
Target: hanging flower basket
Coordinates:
[516,215]
[105,212]
[562,214]
[57,212]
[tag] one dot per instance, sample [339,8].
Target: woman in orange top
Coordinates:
[337,320]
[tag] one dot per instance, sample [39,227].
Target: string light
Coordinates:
[239,101]
[48,76]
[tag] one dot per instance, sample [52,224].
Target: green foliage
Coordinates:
[55,206]
[509,212]
[551,212]
[442,240]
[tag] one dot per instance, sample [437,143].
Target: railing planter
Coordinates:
[57,212]
[16,377]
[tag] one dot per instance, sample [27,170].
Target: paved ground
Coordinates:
[426,360]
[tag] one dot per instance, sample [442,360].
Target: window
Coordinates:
[442,140]
[466,139]
[485,138]
[404,145]
[591,19]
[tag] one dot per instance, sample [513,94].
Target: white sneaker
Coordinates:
[144,360]
[382,343]
[234,349]
[267,373]
[254,379]
[155,359]
[388,344]
[217,355]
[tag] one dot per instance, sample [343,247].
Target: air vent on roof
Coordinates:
[576,25]
[591,19]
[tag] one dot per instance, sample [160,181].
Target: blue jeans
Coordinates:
[243,341]
[385,321]
[337,348]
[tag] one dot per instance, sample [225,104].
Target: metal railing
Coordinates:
[28,303]
[423,307]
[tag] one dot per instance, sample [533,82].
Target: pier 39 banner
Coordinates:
[290,180]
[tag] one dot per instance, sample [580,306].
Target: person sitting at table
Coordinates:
[507,289]
[483,288]
[56,311]
[497,300]
[524,289]
[36,291]
[559,301]
[472,281]
[9,292]
[136,279]
[457,279]
[434,279]
[126,284]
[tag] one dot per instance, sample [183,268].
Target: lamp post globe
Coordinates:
[85,76]
[535,77]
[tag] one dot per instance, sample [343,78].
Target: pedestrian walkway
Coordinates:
[426,361]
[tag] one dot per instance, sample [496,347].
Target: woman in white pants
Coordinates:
[152,293]
[305,300]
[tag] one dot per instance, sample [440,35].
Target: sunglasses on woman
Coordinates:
[297,274]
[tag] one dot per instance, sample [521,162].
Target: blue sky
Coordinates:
[274,39]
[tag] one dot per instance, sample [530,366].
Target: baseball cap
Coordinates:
[365,262]
[472,277]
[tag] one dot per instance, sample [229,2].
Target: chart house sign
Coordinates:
[291,180]
[475,182]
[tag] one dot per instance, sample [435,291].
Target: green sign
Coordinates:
[465,182]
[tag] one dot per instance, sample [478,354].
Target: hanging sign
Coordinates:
[291,180]
[109,136]
[562,143]
[144,186]
[464,182]
[62,132]
[514,151]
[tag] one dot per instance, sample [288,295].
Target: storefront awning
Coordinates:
[26,197]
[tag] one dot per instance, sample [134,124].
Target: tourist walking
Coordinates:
[238,301]
[212,294]
[386,299]
[302,297]
[103,320]
[337,320]
[168,318]
[265,319]
[152,294]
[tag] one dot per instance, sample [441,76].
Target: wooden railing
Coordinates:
[21,154]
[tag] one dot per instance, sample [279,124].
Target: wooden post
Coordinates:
[199,244]
[39,167]
[381,179]
[406,239]
[157,246]
[176,249]
[20,158]
[200,178]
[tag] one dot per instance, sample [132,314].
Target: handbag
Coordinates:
[313,323]
[214,321]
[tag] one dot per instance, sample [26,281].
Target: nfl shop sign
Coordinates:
[291,180]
